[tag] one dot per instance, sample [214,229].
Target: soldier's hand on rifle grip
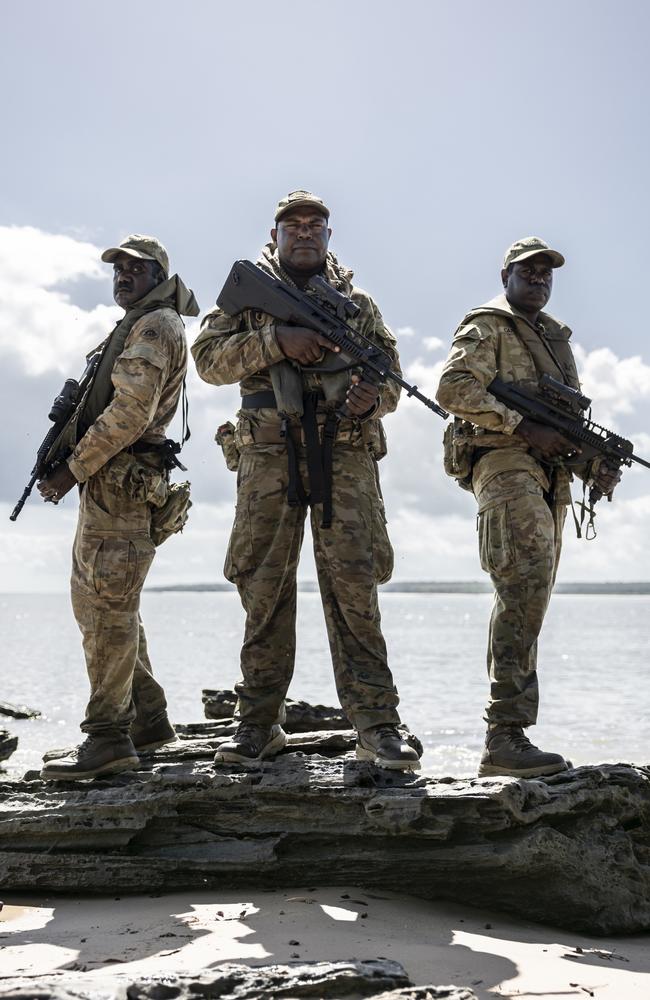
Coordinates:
[606,478]
[548,442]
[57,484]
[361,397]
[300,344]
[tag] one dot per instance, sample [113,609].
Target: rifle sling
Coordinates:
[319,456]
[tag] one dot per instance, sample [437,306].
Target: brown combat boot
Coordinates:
[151,736]
[97,755]
[385,746]
[146,738]
[508,751]
[251,743]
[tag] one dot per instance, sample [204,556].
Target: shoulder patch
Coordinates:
[151,334]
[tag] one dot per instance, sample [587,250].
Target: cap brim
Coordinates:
[110,255]
[302,204]
[557,260]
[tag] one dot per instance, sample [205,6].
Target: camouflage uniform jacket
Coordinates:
[242,348]
[495,340]
[147,380]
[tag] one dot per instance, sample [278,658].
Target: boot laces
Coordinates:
[249,729]
[386,731]
[519,740]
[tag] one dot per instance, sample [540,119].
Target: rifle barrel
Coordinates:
[21,503]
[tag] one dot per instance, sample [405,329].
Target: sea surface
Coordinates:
[594,652]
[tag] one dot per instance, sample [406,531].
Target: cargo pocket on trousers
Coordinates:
[239,557]
[496,547]
[121,566]
[383,557]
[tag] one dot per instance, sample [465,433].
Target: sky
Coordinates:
[437,132]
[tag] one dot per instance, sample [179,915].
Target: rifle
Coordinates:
[326,311]
[62,409]
[565,409]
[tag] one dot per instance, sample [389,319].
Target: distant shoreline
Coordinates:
[429,587]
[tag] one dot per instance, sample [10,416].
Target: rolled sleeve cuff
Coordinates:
[78,470]
[511,421]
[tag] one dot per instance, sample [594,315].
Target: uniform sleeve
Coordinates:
[374,328]
[139,376]
[470,367]
[230,348]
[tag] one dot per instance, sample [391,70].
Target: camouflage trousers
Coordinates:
[351,556]
[111,556]
[520,539]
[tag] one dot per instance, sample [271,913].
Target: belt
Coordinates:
[168,451]
[258,400]
[274,434]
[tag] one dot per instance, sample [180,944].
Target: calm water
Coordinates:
[593,658]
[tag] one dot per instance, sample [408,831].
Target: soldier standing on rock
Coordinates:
[291,370]
[120,461]
[513,465]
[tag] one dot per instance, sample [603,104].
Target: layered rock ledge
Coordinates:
[572,850]
[381,979]
[8,744]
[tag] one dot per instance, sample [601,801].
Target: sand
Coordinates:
[436,942]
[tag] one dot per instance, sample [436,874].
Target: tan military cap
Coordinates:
[528,247]
[300,199]
[144,247]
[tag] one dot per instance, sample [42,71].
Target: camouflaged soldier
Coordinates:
[293,373]
[118,435]
[514,467]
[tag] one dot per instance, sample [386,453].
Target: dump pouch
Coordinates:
[172,516]
[225,438]
[459,445]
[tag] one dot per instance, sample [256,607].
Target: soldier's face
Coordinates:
[528,285]
[302,237]
[132,279]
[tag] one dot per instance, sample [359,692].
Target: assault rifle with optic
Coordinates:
[326,311]
[568,411]
[62,409]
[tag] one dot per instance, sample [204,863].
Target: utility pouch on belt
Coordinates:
[172,516]
[459,445]
[225,438]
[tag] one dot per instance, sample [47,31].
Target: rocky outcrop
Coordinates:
[301,717]
[573,849]
[382,979]
[8,744]
[18,711]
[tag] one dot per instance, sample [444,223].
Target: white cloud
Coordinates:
[433,343]
[614,384]
[426,376]
[404,331]
[620,551]
[40,326]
